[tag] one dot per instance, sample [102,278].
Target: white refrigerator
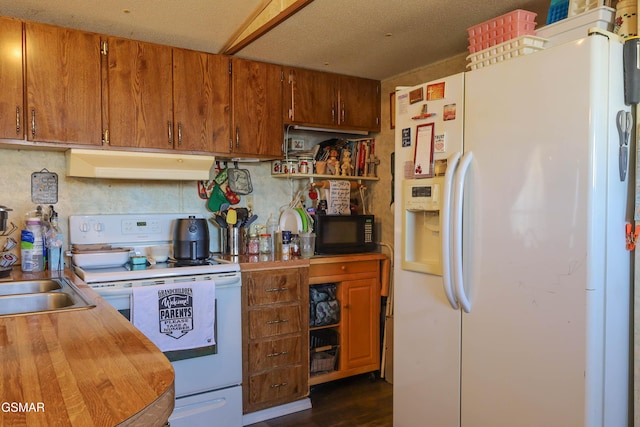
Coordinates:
[534,329]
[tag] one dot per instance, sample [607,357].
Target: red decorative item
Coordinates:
[232,197]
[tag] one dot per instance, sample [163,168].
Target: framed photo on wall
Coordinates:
[423,155]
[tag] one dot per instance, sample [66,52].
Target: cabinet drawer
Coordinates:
[279,384]
[272,321]
[272,354]
[267,287]
[342,268]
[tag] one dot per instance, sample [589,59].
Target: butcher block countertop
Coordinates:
[275,261]
[87,367]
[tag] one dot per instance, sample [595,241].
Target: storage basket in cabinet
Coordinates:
[324,361]
[324,350]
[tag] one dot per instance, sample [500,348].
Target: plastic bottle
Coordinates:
[32,246]
[55,240]
[272,227]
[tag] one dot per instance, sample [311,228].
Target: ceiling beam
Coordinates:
[266,17]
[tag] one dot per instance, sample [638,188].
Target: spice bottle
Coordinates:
[294,246]
[286,244]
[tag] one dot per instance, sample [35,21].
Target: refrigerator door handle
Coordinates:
[446,212]
[458,195]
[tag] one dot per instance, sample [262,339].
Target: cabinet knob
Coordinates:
[343,267]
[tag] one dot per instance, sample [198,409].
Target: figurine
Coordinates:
[346,167]
[333,163]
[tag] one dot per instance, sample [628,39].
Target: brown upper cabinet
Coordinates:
[201,101]
[256,93]
[62,85]
[138,106]
[162,97]
[11,95]
[66,86]
[327,100]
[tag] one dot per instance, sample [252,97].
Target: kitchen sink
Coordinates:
[40,296]
[29,286]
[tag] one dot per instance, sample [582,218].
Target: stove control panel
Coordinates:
[141,226]
[123,228]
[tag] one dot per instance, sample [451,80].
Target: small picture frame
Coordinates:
[423,155]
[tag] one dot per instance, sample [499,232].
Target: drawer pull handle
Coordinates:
[272,322]
[278,385]
[282,353]
[276,289]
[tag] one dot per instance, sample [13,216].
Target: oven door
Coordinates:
[201,373]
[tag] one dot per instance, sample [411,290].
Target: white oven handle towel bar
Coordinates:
[177,316]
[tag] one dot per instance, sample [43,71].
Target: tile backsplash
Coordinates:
[105,196]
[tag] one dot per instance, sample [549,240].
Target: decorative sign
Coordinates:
[424,151]
[449,112]
[339,198]
[416,95]
[435,91]
[438,144]
[44,187]
[406,137]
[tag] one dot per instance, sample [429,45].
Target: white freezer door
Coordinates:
[426,336]
[533,240]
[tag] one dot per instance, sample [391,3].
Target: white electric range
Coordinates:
[207,380]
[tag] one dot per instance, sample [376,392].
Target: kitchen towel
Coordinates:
[176,316]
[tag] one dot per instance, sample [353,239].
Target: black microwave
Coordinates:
[344,234]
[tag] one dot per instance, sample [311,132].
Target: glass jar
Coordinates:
[265,243]
[253,247]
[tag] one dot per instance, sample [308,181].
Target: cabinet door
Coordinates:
[361,323]
[359,101]
[310,98]
[11,95]
[139,97]
[200,101]
[257,108]
[63,85]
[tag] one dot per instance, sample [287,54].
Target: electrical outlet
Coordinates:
[249,201]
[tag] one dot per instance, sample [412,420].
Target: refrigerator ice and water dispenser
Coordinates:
[421,225]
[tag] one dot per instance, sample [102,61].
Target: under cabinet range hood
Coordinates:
[138,165]
[331,130]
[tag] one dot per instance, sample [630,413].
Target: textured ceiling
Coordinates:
[367,38]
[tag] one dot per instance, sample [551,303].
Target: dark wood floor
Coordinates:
[362,401]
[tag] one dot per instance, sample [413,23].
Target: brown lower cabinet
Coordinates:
[345,329]
[275,337]
[283,352]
